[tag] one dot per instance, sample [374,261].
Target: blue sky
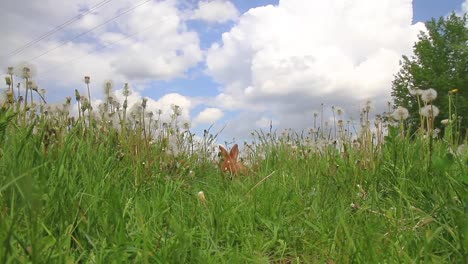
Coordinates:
[424,10]
[222,61]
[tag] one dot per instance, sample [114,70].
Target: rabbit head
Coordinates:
[229,161]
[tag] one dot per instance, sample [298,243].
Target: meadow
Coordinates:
[110,185]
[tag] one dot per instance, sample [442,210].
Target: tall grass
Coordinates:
[82,189]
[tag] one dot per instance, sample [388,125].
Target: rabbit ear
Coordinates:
[224,152]
[234,152]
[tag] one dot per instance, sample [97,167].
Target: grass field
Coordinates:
[84,189]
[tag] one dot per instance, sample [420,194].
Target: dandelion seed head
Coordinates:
[32,85]
[25,70]
[367,106]
[400,113]
[176,110]
[108,85]
[429,111]
[445,122]
[149,114]
[428,95]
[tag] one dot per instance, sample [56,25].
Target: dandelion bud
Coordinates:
[9,96]
[108,86]
[453,91]
[8,80]
[201,197]
[126,90]
[339,111]
[10,70]
[77,95]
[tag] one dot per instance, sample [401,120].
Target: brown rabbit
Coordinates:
[229,161]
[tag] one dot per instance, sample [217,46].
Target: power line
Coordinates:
[86,32]
[100,48]
[56,29]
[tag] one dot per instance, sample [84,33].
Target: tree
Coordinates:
[440,61]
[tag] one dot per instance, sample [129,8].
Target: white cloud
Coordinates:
[287,59]
[165,104]
[265,122]
[151,42]
[208,116]
[464,7]
[218,11]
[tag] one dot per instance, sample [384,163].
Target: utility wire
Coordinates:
[44,74]
[55,30]
[88,31]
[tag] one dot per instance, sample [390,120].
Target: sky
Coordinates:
[239,64]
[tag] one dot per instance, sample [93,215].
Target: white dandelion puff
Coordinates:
[429,111]
[400,113]
[429,95]
[25,70]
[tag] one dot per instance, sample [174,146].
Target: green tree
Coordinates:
[440,61]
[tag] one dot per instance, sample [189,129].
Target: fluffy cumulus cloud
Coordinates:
[464,7]
[136,41]
[217,11]
[165,104]
[286,60]
[208,116]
